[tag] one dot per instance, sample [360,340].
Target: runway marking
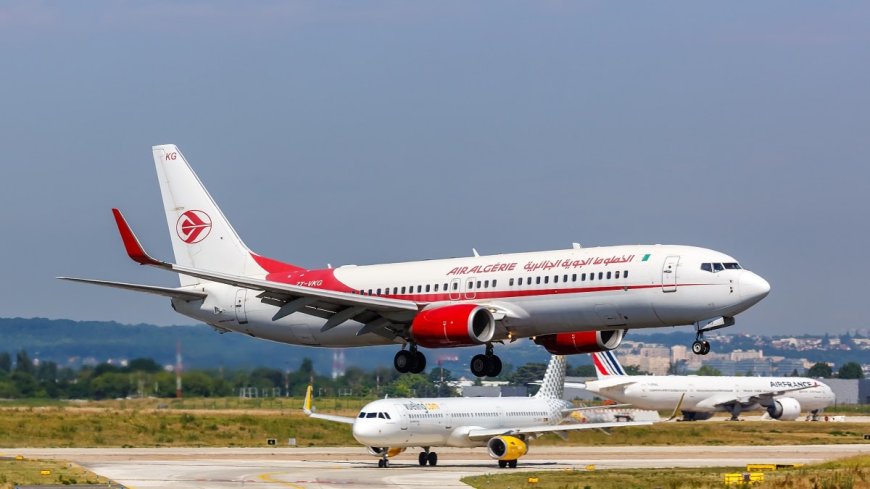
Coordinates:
[268,477]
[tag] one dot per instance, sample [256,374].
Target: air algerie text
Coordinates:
[495,267]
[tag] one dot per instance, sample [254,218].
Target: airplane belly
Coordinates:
[582,312]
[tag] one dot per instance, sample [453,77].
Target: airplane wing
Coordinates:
[763,398]
[188,295]
[591,408]
[336,307]
[308,410]
[482,434]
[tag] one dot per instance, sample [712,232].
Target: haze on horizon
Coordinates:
[344,132]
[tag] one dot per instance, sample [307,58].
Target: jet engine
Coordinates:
[784,408]
[581,341]
[506,447]
[389,452]
[453,325]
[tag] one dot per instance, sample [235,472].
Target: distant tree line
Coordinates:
[143,377]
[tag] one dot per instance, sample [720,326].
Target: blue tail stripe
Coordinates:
[613,363]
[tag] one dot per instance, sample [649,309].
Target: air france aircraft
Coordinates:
[504,425]
[782,397]
[576,300]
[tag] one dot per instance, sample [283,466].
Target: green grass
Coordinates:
[850,473]
[27,472]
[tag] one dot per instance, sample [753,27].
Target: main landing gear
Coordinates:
[428,457]
[411,360]
[507,463]
[487,364]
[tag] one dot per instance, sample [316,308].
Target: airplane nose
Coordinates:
[365,433]
[752,287]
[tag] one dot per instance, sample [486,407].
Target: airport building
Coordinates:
[850,391]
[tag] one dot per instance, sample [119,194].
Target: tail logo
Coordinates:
[193,226]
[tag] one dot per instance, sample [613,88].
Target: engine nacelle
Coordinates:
[453,325]
[784,408]
[506,447]
[381,451]
[581,341]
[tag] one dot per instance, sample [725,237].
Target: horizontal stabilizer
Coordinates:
[187,295]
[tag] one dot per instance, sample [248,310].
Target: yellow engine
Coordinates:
[506,448]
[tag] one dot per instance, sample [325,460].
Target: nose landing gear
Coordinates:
[487,364]
[701,346]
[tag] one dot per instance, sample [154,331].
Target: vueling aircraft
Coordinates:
[503,425]
[576,300]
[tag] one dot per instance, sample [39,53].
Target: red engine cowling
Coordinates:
[580,341]
[454,325]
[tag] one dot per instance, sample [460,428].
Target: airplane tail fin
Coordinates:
[606,364]
[202,237]
[553,385]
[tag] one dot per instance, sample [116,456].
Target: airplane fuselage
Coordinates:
[446,422]
[707,394]
[537,293]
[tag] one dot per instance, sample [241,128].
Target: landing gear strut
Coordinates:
[486,365]
[507,463]
[701,346]
[411,360]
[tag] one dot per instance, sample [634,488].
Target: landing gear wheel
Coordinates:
[382,463]
[478,365]
[706,347]
[502,464]
[403,361]
[701,347]
[432,458]
[422,458]
[493,366]
[419,363]
[512,464]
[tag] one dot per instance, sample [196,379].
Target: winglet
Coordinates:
[306,406]
[131,242]
[677,409]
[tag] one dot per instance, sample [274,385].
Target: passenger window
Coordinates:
[493,283]
[395,290]
[555,279]
[582,277]
[528,280]
[478,284]
[470,284]
[600,275]
[436,287]
[419,288]
[511,282]
[625,274]
[546,279]
[486,284]
[379,291]
[608,275]
[445,287]
[591,276]
[617,274]
[427,287]
[718,267]
[403,289]
[574,277]
[565,278]
[707,267]
[538,280]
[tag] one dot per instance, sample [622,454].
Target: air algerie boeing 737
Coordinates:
[577,300]
[504,425]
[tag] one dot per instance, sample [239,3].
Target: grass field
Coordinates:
[233,422]
[30,472]
[851,473]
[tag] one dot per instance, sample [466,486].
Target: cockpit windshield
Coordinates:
[373,414]
[718,267]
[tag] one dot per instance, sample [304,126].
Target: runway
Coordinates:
[323,468]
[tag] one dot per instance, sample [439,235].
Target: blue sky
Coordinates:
[366,132]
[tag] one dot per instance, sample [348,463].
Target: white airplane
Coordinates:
[504,425]
[782,397]
[577,300]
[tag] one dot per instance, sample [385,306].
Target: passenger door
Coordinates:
[669,274]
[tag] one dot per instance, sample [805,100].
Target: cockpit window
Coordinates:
[718,267]
[371,415]
[381,415]
[361,415]
[387,415]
